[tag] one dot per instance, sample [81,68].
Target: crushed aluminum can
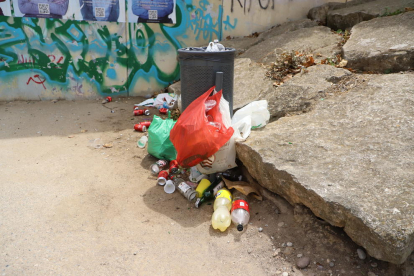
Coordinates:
[163,110]
[174,166]
[139,127]
[108,99]
[162,178]
[146,123]
[141,112]
[158,166]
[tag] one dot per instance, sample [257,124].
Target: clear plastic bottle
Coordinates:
[240,213]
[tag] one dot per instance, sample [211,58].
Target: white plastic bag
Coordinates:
[256,112]
[166,100]
[212,47]
[225,157]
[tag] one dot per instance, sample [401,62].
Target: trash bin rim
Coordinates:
[203,50]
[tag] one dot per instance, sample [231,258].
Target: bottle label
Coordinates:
[183,187]
[224,193]
[240,204]
[161,163]
[218,187]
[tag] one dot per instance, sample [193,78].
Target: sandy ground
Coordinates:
[69,208]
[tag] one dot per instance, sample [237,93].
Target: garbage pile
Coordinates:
[196,153]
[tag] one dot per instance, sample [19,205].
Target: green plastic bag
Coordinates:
[159,144]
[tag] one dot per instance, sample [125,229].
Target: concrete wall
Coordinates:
[43,59]
[249,16]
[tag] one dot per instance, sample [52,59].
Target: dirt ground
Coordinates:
[71,207]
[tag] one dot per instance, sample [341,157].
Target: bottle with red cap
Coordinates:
[240,213]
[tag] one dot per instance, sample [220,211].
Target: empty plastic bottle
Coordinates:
[221,218]
[240,213]
[223,198]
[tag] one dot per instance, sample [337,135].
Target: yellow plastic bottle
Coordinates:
[221,218]
[202,186]
[223,197]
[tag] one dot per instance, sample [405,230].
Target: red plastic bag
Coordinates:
[198,134]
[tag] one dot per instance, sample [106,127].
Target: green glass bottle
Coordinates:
[210,192]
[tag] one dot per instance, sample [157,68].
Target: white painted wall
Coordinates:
[259,15]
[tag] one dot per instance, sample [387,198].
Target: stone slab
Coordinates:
[300,93]
[383,44]
[350,160]
[319,41]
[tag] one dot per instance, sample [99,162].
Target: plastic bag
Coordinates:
[198,135]
[254,115]
[225,157]
[159,143]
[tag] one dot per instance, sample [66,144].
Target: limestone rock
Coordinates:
[241,44]
[175,88]
[383,44]
[244,43]
[249,82]
[303,262]
[287,27]
[320,13]
[303,90]
[348,17]
[350,160]
[319,41]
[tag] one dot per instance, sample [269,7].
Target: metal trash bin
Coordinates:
[198,73]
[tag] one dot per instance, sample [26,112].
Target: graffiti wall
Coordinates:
[258,15]
[59,58]
[69,59]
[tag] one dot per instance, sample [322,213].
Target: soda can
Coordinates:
[108,99]
[162,178]
[139,127]
[174,166]
[158,166]
[163,110]
[139,112]
[146,123]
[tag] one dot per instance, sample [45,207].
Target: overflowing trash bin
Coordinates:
[196,153]
[199,67]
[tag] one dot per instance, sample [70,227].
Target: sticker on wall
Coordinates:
[151,11]
[41,8]
[101,10]
[5,8]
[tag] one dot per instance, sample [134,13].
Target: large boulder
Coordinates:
[350,160]
[349,16]
[299,94]
[242,44]
[383,44]
[319,41]
[249,82]
[320,13]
